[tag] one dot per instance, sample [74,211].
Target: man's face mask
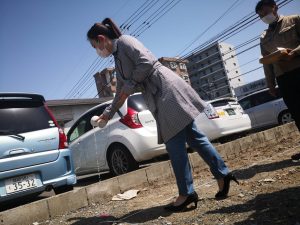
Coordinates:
[269,19]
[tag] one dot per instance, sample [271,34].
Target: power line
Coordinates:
[166,11]
[84,81]
[123,25]
[74,87]
[149,8]
[94,64]
[146,21]
[246,63]
[234,29]
[86,76]
[209,27]
[85,87]
[243,74]
[158,18]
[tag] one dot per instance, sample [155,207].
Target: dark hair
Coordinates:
[263,3]
[107,28]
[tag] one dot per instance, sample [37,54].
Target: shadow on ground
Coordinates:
[244,174]
[137,216]
[281,207]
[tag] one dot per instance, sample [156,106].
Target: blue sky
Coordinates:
[43,46]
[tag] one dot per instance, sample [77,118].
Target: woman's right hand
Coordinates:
[103,117]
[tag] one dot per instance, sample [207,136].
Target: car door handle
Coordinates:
[17,151]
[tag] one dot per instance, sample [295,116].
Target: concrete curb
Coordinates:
[162,172]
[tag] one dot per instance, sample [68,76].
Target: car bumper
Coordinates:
[222,126]
[143,144]
[230,126]
[52,174]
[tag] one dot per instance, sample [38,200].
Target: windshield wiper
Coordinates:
[12,134]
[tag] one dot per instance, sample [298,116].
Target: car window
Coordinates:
[96,112]
[137,103]
[83,125]
[78,131]
[19,116]
[246,103]
[262,98]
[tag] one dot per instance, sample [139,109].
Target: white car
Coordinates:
[265,110]
[228,118]
[130,136]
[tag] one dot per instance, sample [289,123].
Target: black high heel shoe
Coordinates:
[192,198]
[223,194]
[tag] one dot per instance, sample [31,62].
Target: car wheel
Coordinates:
[63,189]
[285,117]
[120,160]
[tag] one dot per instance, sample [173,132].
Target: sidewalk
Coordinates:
[269,193]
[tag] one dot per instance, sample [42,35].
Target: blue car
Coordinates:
[33,149]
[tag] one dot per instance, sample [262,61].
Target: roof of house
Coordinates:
[86,101]
[174,59]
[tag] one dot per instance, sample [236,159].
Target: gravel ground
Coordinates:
[269,193]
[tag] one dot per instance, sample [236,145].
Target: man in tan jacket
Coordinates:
[283,32]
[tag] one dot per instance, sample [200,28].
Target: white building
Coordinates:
[250,87]
[214,71]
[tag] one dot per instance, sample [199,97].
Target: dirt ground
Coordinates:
[269,193]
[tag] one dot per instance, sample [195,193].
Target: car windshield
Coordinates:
[23,116]
[137,103]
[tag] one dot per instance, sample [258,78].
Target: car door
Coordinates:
[247,105]
[74,139]
[87,143]
[279,104]
[265,109]
[94,142]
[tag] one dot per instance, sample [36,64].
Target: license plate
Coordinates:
[221,113]
[20,183]
[230,112]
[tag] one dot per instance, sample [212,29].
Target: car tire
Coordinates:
[63,189]
[285,117]
[120,160]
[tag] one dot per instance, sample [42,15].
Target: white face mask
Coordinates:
[269,19]
[102,53]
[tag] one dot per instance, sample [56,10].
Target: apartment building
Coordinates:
[177,65]
[106,82]
[214,71]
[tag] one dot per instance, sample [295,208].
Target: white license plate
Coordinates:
[230,112]
[20,183]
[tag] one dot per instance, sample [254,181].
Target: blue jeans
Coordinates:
[176,148]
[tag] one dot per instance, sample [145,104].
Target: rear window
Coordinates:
[259,99]
[137,103]
[23,116]
[223,103]
[264,97]
[246,103]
